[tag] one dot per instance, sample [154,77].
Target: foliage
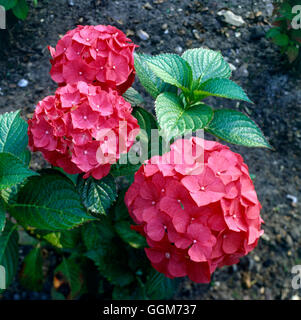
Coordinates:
[19,7]
[85,220]
[283,33]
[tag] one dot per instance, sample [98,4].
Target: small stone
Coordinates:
[258,14]
[256,258]
[71,3]
[270,9]
[130,32]
[166,31]
[164,26]
[243,71]
[196,34]
[265,237]
[237,34]
[23,83]
[232,18]
[261,290]
[289,240]
[293,199]
[189,43]
[179,49]
[142,35]
[148,6]
[232,66]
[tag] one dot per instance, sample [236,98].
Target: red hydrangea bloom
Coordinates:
[196,215]
[83,129]
[101,55]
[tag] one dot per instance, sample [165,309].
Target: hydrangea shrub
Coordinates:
[125,215]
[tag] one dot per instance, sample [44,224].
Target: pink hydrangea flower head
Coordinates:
[197,214]
[100,55]
[78,129]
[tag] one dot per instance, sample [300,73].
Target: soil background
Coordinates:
[174,26]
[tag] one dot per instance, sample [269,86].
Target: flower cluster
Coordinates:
[83,129]
[87,124]
[100,55]
[197,214]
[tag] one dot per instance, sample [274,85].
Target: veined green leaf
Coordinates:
[12,170]
[152,84]
[172,69]
[2,215]
[158,286]
[49,202]
[133,97]
[98,235]
[146,123]
[97,195]
[31,276]
[118,272]
[9,251]
[13,134]
[70,272]
[129,236]
[223,88]
[174,120]
[235,127]
[207,64]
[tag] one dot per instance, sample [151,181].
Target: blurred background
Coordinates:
[262,64]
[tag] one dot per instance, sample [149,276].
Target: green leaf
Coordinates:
[122,293]
[9,195]
[152,84]
[158,286]
[2,215]
[235,127]
[72,177]
[13,134]
[172,69]
[12,170]
[292,53]
[207,64]
[8,4]
[112,264]
[119,170]
[272,33]
[9,251]
[223,88]
[281,39]
[68,239]
[133,97]
[97,195]
[25,156]
[98,234]
[175,120]
[31,276]
[49,202]
[21,9]
[147,123]
[129,236]
[69,273]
